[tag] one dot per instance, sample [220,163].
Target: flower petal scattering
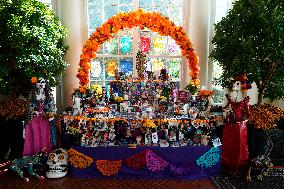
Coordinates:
[139,18]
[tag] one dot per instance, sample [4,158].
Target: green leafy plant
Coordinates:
[31,45]
[250,39]
[193,89]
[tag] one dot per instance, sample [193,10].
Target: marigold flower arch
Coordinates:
[139,18]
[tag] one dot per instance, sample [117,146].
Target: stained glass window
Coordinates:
[110,47]
[96,69]
[159,44]
[111,66]
[125,44]
[126,65]
[120,52]
[174,68]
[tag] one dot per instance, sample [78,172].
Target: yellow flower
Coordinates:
[118,99]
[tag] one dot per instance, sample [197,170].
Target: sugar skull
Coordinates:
[57,164]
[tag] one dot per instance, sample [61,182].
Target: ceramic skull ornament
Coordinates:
[57,164]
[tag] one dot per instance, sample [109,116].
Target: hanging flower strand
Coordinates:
[151,20]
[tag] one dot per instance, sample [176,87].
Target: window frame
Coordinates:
[135,42]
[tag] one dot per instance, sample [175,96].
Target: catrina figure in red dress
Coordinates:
[234,142]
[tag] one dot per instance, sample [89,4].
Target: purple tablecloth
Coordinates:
[182,156]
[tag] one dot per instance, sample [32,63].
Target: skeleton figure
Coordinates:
[40,85]
[77,104]
[57,164]
[38,130]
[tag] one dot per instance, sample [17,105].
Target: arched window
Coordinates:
[120,52]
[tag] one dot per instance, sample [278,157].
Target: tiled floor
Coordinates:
[10,181]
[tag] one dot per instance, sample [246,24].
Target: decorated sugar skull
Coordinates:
[57,164]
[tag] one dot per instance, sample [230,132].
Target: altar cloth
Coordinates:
[181,162]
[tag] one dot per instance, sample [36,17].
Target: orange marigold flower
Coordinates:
[34,79]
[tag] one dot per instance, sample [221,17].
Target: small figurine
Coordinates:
[155,138]
[27,163]
[77,104]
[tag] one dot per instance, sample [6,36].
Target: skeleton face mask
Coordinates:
[57,164]
[237,86]
[41,83]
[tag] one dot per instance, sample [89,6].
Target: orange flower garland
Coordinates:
[205,93]
[152,20]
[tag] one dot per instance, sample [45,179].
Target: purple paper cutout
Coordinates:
[180,171]
[154,162]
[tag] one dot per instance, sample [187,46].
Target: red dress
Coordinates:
[234,142]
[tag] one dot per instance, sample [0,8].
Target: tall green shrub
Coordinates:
[31,45]
[250,39]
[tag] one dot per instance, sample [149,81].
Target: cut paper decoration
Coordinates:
[108,168]
[96,69]
[137,161]
[126,66]
[111,46]
[125,44]
[159,44]
[173,48]
[180,170]
[158,65]
[79,160]
[145,44]
[210,158]
[154,162]
[110,68]
[174,68]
